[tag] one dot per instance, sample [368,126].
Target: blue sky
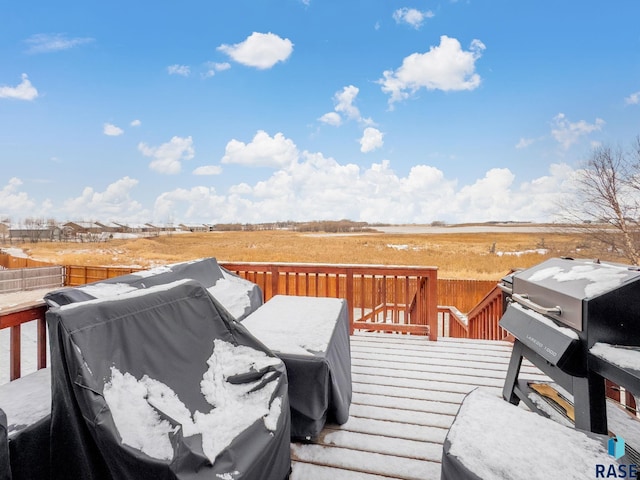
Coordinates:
[251,111]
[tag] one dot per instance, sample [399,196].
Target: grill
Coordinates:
[579,322]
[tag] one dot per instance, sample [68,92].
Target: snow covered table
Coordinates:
[491,439]
[311,336]
[27,405]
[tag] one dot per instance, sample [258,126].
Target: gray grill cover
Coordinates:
[5,469]
[207,271]
[167,334]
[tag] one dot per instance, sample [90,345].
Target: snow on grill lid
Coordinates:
[579,278]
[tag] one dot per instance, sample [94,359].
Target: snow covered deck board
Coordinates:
[406,392]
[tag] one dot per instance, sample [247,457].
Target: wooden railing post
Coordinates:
[14,349]
[350,299]
[42,342]
[432,306]
[275,280]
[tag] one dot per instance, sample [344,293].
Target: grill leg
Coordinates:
[590,403]
[508,391]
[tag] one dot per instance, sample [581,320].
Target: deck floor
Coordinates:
[406,392]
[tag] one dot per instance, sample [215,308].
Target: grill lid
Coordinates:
[560,286]
[577,278]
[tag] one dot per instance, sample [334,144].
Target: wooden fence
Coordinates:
[79,275]
[9,261]
[463,294]
[18,279]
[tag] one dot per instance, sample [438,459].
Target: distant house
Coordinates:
[167,227]
[110,227]
[82,231]
[194,227]
[34,233]
[74,228]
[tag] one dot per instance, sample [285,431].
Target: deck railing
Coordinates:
[380,298]
[452,323]
[480,323]
[14,318]
[484,317]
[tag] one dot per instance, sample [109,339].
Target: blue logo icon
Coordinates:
[616,447]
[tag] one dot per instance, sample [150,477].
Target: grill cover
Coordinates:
[5,469]
[239,296]
[167,333]
[320,387]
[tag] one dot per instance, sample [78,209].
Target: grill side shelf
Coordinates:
[628,378]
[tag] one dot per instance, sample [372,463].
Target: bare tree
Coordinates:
[607,200]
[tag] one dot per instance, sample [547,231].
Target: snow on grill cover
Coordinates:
[163,383]
[239,296]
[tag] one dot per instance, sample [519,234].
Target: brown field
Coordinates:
[457,255]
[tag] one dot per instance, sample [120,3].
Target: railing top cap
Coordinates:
[332,265]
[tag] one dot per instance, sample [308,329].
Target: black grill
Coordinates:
[558,311]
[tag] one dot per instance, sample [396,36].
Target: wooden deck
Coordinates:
[406,392]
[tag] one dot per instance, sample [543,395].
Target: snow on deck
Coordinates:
[406,393]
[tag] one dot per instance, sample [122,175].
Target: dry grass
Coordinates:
[455,255]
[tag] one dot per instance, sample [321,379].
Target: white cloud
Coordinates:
[445,67]
[23,91]
[167,157]
[411,16]
[112,130]
[259,50]
[135,123]
[371,140]
[208,170]
[567,133]
[525,142]
[633,99]
[331,118]
[317,187]
[183,70]
[213,67]
[114,202]
[487,194]
[45,43]
[189,204]
[276,151]
[12,200]
[344,101]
